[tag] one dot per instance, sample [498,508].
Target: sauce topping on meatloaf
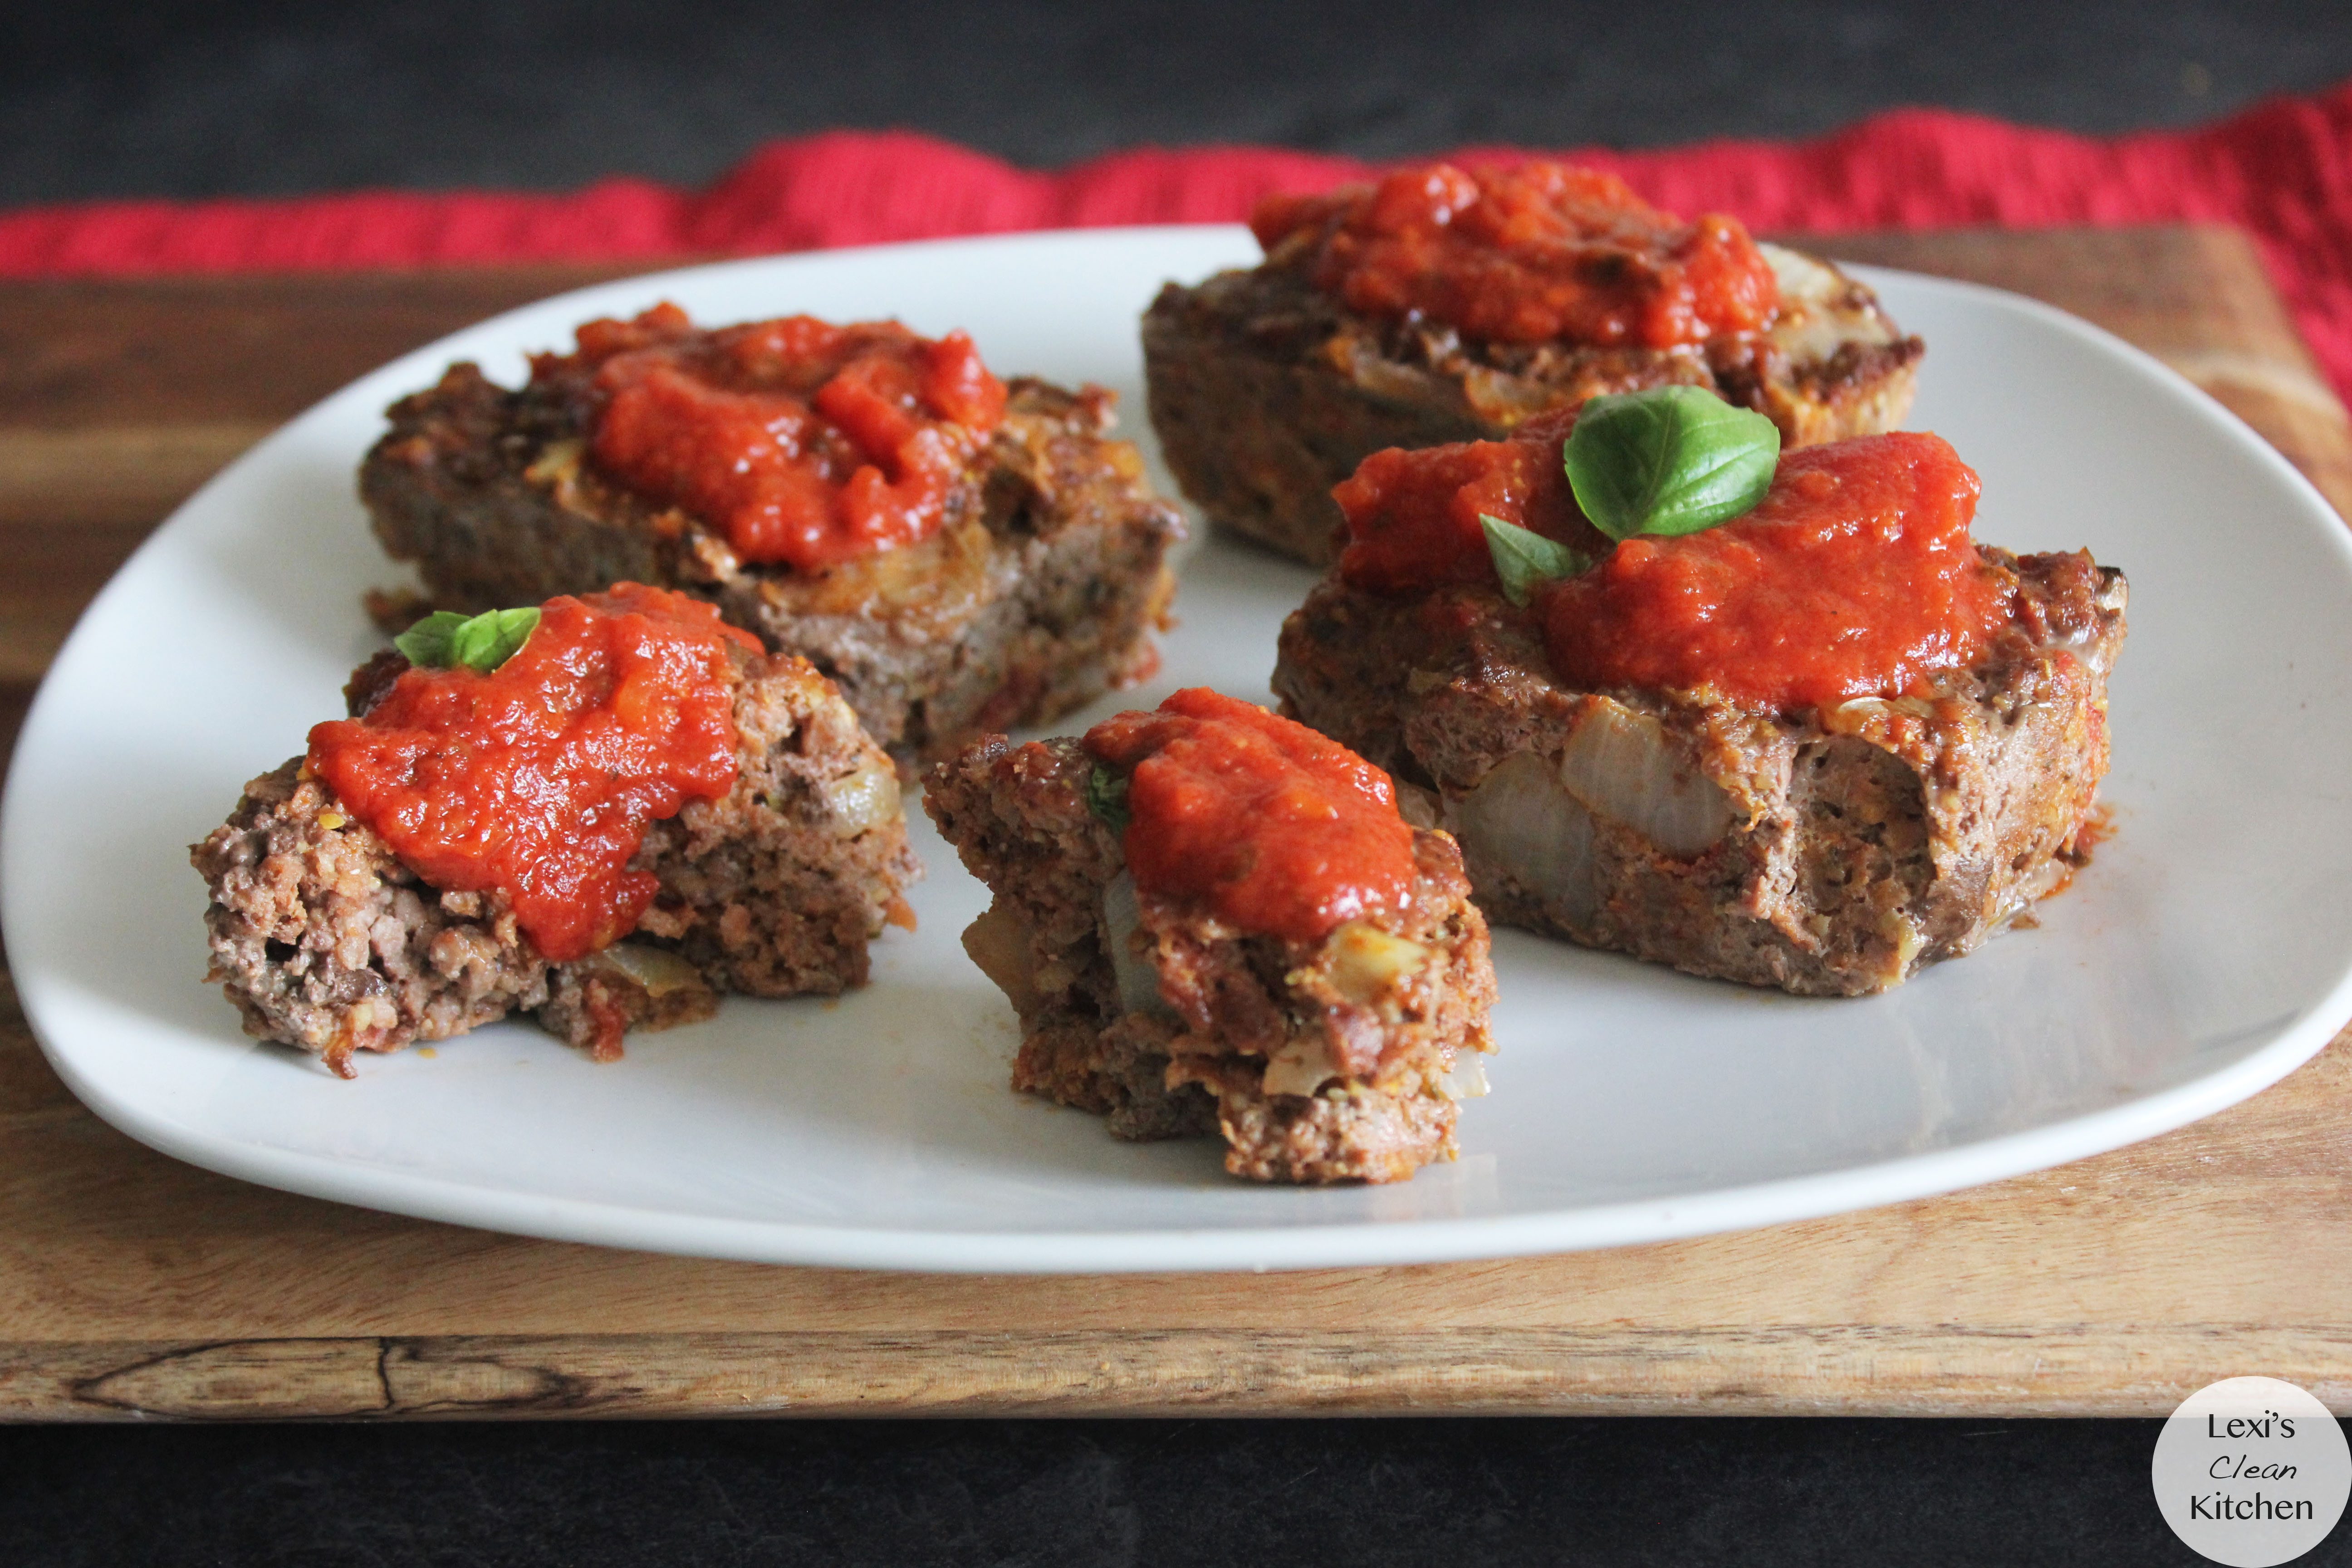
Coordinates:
[1268,825]
[1413,515]
[1544,252]
[538,779]
[807,443]
[1854,577]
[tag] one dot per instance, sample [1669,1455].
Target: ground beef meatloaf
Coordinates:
[1038,592]
[325,941]
[1337,1060]
[1266,390]
[1828,849]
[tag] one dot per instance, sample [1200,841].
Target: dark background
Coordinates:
[190,99]
[1076,1494]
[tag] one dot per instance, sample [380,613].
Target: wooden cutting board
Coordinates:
[134,1286]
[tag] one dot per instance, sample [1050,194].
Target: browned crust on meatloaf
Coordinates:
[1375,1101]
[323,939]
[1039,593]
[1863,842]
[1265,392]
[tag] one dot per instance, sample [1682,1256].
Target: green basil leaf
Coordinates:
[1668,460]
[1106,798]
[1525,560]
[426,644]
[445,638]
[492,638]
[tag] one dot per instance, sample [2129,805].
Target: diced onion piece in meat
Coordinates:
[1619,764]
[1862,709]
[558,464]
[864,800]
[1466,1078]
[1139,982]
[1301,1066]
[1904,935]
[1366,963]
[999,943]
[1522,823]
[654,969]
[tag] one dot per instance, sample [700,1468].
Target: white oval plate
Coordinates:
[2202,957]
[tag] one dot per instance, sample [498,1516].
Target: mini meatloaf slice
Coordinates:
[1038,592]
[325,941]
[1266,390]
[1827,849]
[1341,1059]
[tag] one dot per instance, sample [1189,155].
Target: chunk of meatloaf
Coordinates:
[1336,1061]
[323,939]
[1039,593]
[1266,392]
[1831,852]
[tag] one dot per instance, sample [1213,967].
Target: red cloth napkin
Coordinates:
[2282,169]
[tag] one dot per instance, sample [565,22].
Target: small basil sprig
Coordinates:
[1668,460]
[445,638]
[1106,798]
[1525,560]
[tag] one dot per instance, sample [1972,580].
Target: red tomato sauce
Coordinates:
[538,779]
[1413,516]
[804,442]
[1274,828]
[1856,576]
[1539,253]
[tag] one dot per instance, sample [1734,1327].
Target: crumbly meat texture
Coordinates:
[323,939]
[1828,853]
[1317,1063]
[1039,593]
[1265,392]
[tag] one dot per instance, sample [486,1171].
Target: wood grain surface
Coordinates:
[135,1287]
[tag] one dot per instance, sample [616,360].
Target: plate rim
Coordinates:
[1209,1248]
